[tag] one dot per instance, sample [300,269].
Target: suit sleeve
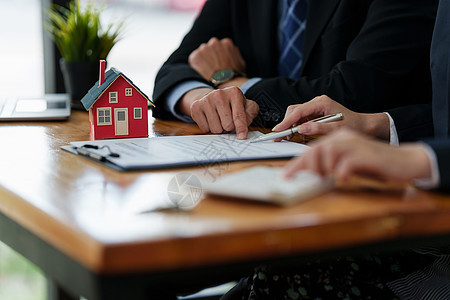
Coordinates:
[413,122]
[442,151]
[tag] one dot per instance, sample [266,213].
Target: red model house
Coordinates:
[117,108]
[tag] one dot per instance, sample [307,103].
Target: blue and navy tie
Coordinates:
[292,29]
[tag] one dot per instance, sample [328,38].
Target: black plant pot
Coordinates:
[79,77]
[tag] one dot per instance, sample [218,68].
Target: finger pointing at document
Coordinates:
[220,110]
[224,107]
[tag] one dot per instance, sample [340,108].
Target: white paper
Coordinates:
[192,150]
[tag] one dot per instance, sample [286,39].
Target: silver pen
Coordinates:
[281,134]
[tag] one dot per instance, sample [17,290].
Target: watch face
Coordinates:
[222,75]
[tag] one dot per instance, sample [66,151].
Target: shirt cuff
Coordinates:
[434,181]
[393,137]
[177,93]
[251,82]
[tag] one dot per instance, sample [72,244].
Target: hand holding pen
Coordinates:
[296,129]
[375,124]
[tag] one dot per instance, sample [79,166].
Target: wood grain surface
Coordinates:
[109,222]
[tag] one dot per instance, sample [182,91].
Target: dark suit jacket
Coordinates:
[369,55]
[440,71]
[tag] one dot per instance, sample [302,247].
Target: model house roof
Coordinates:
[96,91]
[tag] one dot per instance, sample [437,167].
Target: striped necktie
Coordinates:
[292,30]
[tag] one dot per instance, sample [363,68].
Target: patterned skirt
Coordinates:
[346,277]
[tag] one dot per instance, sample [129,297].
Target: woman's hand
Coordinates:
[376,125]
[346,153]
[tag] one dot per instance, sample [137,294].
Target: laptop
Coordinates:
[47,107]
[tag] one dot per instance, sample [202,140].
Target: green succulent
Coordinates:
[78,34]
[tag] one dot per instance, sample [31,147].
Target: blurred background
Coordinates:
[153,29]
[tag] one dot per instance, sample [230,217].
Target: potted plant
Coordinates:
[82,41]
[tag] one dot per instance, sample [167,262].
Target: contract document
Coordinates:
[178,151]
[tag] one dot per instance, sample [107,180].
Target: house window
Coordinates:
[128,92]
[121,116]
[138,113]
[113,97]
[104,116]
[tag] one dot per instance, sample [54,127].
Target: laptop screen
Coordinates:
[48,107]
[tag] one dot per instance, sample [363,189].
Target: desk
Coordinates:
[74,219]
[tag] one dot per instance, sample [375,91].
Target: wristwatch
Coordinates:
[224,75]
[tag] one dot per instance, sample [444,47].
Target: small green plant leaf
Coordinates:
[79,34]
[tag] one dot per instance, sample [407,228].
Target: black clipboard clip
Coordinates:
[84,151]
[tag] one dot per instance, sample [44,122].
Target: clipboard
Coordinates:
[181,151]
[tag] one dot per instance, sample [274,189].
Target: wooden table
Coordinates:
[82,222]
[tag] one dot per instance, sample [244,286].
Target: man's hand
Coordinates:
[216,55]
[226,108]
[346,153]
[220,110]
[376,125]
